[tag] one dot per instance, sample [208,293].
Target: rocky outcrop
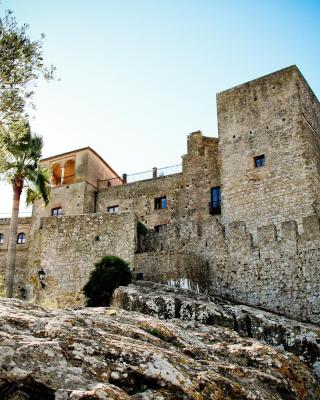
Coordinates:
[99,353]
[167,302]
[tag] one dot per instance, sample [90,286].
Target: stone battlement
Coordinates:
[241,220]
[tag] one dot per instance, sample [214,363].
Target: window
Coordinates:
[21,239]
[113,209]
[55,212]
[159,228]
[215,203]
[259,161]
[160,203]
[1,238]
[139,276]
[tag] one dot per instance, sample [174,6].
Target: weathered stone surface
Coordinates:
[67,247]
[21,254]
[277,271]
[167,303]
[110,353]
[263,250]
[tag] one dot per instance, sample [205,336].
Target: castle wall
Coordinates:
[139,197]
[310,128]
[201,172]
[67,247]
[21,252]
[188,194]
[278,273]
[75,198]
[264,117]
[270,260]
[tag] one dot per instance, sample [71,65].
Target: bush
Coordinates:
[109,273]
[141,228]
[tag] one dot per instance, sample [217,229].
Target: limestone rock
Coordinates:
[167,302]
[98,353]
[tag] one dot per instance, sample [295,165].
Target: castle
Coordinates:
[240,220]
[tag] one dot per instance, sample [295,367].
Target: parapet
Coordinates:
[284,239]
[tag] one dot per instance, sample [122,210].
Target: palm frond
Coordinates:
[20,151]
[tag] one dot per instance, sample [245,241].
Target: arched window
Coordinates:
[69,171]
[1,238]
[21,239]
[56,175]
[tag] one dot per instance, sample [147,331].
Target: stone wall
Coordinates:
[21,252]
[188,193]
[265,116]
[139,197]
[74,198]
[279,271]
[67,247]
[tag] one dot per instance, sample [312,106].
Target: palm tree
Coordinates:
[20,151]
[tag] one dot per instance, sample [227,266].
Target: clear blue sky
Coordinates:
[138,76]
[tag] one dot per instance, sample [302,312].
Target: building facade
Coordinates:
[240,220]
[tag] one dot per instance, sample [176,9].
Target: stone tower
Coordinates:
[269,131]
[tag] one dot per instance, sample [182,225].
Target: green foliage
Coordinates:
[20,151]
[141,228]
[21,64]
[109,273]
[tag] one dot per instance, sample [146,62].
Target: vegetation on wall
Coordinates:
[109,273]
[141,228]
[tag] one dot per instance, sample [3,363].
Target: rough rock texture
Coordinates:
[105,354]
[168,302]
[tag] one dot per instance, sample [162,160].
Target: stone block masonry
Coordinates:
[279,271]
[21,254]
[67,247]
[241,220]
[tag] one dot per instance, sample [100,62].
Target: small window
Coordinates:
[139,276]
[55,212]
[21,239]
[215,203]
[159,228]
[113,209]
[160,203]
[259,161]
[1,238]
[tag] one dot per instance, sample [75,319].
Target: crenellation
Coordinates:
[241,220]
[311,228]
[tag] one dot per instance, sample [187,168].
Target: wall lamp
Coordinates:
[42,275]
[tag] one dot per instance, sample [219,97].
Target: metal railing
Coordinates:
[140,176]
[154,173]
[59,181]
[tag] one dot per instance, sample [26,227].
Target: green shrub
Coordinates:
[141,228]
[109,273]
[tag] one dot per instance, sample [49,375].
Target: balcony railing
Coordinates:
[140,176]
[59,181]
